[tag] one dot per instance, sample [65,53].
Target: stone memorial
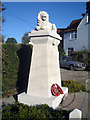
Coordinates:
[44,83]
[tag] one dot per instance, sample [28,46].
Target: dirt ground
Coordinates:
[78,76]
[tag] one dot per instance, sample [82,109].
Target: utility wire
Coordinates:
[19,18]
[83,8]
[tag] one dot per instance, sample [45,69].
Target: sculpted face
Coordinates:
[44,17]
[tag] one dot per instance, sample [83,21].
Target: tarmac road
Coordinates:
[80,102]
[81,99]
[78,76]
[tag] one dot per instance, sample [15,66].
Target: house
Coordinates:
[72,37]
[76,35]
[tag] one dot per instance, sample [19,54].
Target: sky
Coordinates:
[21,17]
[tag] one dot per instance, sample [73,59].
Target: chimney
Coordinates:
[83,14]
[88,7]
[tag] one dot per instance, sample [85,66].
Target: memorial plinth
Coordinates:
[44,83]
[44,70]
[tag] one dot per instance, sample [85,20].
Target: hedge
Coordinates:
[10,63]
[74,86]
[20,111]
[15,67]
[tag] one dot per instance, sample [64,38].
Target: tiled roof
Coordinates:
[60,30]
[70,30]
[72,27]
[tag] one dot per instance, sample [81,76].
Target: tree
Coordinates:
[2,8]
[11,40]
[25,38]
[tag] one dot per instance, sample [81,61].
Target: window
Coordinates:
[73,35]
[87,18]
[70,50]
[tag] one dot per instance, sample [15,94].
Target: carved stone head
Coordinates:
[43,22]
[43,17]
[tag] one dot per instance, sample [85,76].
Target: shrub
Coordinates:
[11,40]
[82,56]
[73,86]
[24,112]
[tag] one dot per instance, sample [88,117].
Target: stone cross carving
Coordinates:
[43,22]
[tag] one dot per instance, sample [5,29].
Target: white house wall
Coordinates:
[89,37]
[69,43]
[82,34]
[82,37]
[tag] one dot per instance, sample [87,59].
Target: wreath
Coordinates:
[56,90]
